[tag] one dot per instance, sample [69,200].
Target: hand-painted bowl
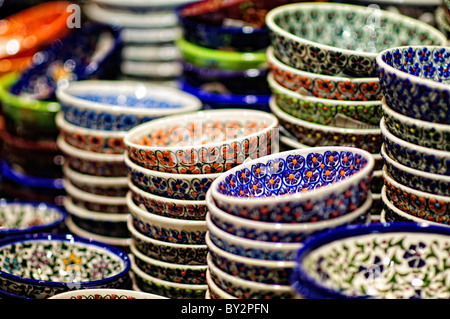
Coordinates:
[247,289]
[263,271]
[415,156]
[100,294]
[332,112]
[170,289]
[168,207]
[283,232]
[221,59]
[165,228]
[416,179]
[91,163]
[361,262]
[423,133]
[249,248]
[366,137]
[204,142]
[323,86]
[240,38]
[305,185]
[215,292]
[179,273]
[423,205]
[121,105]
[187,254]
[21,217]
[340,39]
[75,263]
[414,80]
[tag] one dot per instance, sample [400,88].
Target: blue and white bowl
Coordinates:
[121,105]
[304,185]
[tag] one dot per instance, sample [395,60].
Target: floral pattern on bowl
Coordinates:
[109,294]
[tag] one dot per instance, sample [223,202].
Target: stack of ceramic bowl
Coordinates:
[149,30]
[261,212]
[94,120]
[223,53]
[325,90]
[416,133]
[171,165]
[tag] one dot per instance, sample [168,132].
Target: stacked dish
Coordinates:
[171,164]
[94,119]
[325,89]
[416,132]
[261,212]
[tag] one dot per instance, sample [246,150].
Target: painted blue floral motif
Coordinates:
[415,255]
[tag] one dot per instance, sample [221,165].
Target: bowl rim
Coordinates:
[95,180]
[212,286]
[140,130]
[68,127]
[110,249]
[87,155]
[346,232]
[75,192]
[143,3]
[105,291]
[315,194]
[270,17]
[83,213]
[414,79]
[66,95]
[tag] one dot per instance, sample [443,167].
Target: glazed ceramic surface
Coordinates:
[442,17]
[27,268]
[391,261]
[205,142]
[304,185]
[110,294]
[215,292]
[340,39]
[415,81]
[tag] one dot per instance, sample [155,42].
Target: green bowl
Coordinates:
[24,116]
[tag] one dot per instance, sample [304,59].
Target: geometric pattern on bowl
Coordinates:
[333,112]
[420,204]
[415,81]
[313,135]
[415,156]
[382,261]
[204,142]
[339,39]
[431,135]
[304,185]
[416,179]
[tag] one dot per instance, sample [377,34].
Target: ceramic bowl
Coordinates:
[205,142]
[422,133]
[332,112]
[221,59]
[187,254]
[168,207]
[305,185]
[170,289]
[416,179]
[323,86]
[250,248]
[357,262]
[215,292]
[153,36]
[283,232]
[96,185]
[75,263]
[247,289]
[415,80]
[225,37]
[100,294]
[215,96]
[153,70]
[98,141]
[263,271]
[154,53]
[94,202]
[90,163]
[179,273]
[298,36]
[416,203]
[25,217]
[121,105]
[155,5]
[165,228]
[314,135]
[100,223]
[415,156]
[190,187]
